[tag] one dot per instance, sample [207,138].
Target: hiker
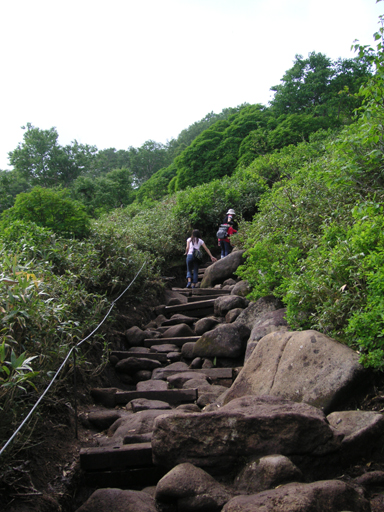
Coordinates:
[194,243]
[225,231]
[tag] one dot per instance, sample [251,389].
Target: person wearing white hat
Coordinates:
[224,243]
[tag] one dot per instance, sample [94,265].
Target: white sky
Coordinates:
[117,73]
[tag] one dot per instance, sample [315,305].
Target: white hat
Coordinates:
[231,212]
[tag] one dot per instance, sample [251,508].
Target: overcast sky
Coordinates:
[117,73]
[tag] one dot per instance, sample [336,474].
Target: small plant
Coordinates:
[15,374]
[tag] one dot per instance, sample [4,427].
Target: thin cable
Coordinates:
[63,363]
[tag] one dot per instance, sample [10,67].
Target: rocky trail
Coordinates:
[222,407]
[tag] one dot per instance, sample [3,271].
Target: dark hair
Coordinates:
[195,236]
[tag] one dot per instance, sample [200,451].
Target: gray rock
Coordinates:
[363,432]
[143,404]
[222,269]
[180,319]
[327,495]
[135,336]
[227,302]
[178,331]
[135,364]
[188,408]
[229,282]
[192,490]
[252,313]
[141,422]
[233,314]
[170,295]
[178,379]
[227,340]
[196,363]
[266,323]
[152,385]
[105,500]
[165,348]
[160,319]
[162,373]
[174,357]
[187,350]
[205,324]
[246,427]
[302,366]
[241,288]
[266,473]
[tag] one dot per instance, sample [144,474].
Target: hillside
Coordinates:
[304,175]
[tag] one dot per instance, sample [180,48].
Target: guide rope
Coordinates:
[63,364]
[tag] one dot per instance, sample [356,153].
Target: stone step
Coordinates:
[116,457]
[111,397]
[200,308]
[171,396]
[197,298]
[120,354]
[216,375]
[179,342]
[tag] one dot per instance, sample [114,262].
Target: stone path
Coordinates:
[152,365]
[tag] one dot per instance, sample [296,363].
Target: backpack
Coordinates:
[222,232]
[197,255]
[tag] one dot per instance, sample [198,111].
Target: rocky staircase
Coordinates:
[158,366]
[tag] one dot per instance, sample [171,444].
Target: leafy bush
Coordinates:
[50,209]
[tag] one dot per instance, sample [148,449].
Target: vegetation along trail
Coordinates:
[78,226]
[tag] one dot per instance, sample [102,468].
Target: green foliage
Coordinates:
[48,208]
[42,161]
[104,193]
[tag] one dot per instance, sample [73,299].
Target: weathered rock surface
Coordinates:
[136,364]
[266,473]
[363,433]
[172,295]
[143,404]
[162,373]
[179,319]
[252,313]
[228,302]
[302,366]
[106,500]
[327,495]
[152,385]
[178,379]
[205,324]
[135,336]
[241,288]
[222,269]
[266,323]
[226,340]
[233,314]
[246,427]
[191,489]
[103,419]
[178,331]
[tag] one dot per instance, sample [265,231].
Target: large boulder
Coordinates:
[105,500]
[172,297]
[226,340]
[246,427]
[191,489]
[328,495]
[302,366]
[222,269]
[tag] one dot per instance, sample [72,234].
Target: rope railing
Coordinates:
[63,364]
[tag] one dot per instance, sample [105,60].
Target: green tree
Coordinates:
[50,209]
[42,161]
